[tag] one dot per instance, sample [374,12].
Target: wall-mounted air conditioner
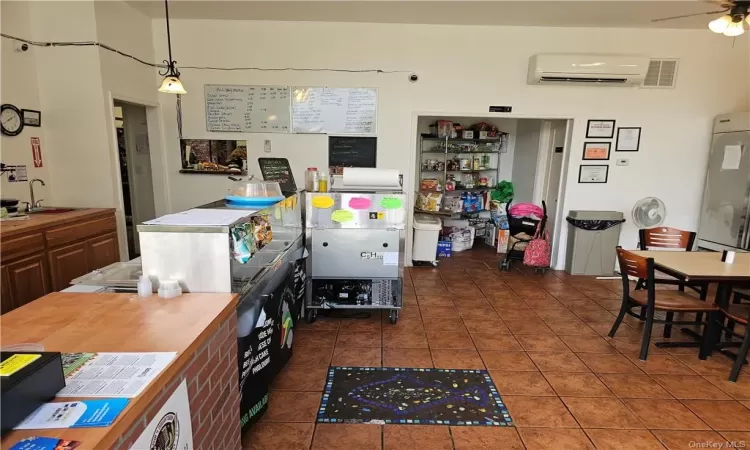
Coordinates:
[590,70]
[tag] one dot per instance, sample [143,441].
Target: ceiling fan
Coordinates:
[736,13]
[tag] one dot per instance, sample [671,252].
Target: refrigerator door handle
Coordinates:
[745,236]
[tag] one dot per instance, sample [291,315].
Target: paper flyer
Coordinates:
[45,443]
[80,414]
[108,375]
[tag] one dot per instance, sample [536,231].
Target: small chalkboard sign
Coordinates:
[351,151]
[278,169]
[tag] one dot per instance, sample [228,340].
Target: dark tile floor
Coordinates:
[543,339]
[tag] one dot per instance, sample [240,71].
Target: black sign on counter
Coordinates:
[278,169]
[351,151]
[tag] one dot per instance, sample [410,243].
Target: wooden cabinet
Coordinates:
[6,299]
[27,279]
[66,263]
[46,259]
[102,251]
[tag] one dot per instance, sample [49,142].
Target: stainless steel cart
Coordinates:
[355,241]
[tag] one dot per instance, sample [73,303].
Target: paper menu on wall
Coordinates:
[202,217]
[334,110]
[254,109]
[115,374]
[732,157]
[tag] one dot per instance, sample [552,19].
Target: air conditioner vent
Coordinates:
[584,80]
[662,73]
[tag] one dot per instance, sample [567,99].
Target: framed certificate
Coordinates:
[32,118]
[628,139]
[596,151]
[593,173]
[600,129]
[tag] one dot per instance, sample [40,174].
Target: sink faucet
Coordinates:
[34,204]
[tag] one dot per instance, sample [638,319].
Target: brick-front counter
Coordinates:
[201,328]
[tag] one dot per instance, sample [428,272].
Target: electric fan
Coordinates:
[649,212]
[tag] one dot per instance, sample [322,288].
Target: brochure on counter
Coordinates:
[45,443]
[78,414]
[109,375]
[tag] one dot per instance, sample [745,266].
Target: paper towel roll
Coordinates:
[359,177]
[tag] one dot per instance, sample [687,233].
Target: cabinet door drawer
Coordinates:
[78,231]
[21,245]
[28,279]
[66,263]
[102,251]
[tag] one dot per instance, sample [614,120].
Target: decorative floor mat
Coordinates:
[411,396]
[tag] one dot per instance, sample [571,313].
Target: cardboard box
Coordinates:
[502,240]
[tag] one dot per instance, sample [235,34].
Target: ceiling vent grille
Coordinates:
[662,73]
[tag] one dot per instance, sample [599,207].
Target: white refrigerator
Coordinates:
[725,215]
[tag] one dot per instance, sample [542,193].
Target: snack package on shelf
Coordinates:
[429,201]
[430,184]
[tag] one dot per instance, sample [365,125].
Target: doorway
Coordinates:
[532,156]
[134,156]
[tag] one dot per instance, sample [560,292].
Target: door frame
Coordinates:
[158,165]
[412,168]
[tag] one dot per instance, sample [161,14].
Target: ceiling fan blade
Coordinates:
[689,15]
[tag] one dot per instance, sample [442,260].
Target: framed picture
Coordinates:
[628,139]
[600,129]
[596,151]
[593,173]
[32,118]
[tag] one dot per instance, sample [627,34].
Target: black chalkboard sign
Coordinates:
[277,169]
[352,151]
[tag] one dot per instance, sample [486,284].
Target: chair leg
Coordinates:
[709,338]
[647,334]
[620,316]
[668,326]
[741,355]
[729,334]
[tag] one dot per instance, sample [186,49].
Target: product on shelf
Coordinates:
[430,184]
[429,201]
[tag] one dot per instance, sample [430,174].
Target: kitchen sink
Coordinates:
[50,210]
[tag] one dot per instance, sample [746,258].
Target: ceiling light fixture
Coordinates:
[171,83]
[732,24]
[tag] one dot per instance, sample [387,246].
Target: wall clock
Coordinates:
[11,119]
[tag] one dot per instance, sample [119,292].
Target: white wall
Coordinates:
[525,160]
[676,122]
[19,87]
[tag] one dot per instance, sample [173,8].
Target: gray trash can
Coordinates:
[592,239]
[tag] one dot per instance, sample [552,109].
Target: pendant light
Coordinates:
[171,83]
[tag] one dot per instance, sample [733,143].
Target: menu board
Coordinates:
[251,109]
[334,110]
[352,151]
[278,169]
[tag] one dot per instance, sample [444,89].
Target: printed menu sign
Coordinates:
[334,110]
[253,109]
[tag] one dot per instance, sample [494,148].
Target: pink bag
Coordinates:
[538,251]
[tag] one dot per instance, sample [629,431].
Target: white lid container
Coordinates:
[427,222]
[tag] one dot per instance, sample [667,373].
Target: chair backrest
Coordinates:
[666,238]
[632,264]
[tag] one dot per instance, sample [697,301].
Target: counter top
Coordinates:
[77,322]
[38,221]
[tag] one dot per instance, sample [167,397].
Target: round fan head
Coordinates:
[649,212]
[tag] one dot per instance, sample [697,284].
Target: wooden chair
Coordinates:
[653,300]
[666,238]
[736,313]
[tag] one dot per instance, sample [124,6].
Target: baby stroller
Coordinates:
[521,229]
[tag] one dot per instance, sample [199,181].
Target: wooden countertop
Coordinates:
[75,322]
[38,221]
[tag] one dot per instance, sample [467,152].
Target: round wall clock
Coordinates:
[11,119]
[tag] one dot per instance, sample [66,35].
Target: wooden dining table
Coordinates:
[706,267]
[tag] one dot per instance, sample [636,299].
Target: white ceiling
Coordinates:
[552,13]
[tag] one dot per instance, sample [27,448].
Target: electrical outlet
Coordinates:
[623,162]
[267,146]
